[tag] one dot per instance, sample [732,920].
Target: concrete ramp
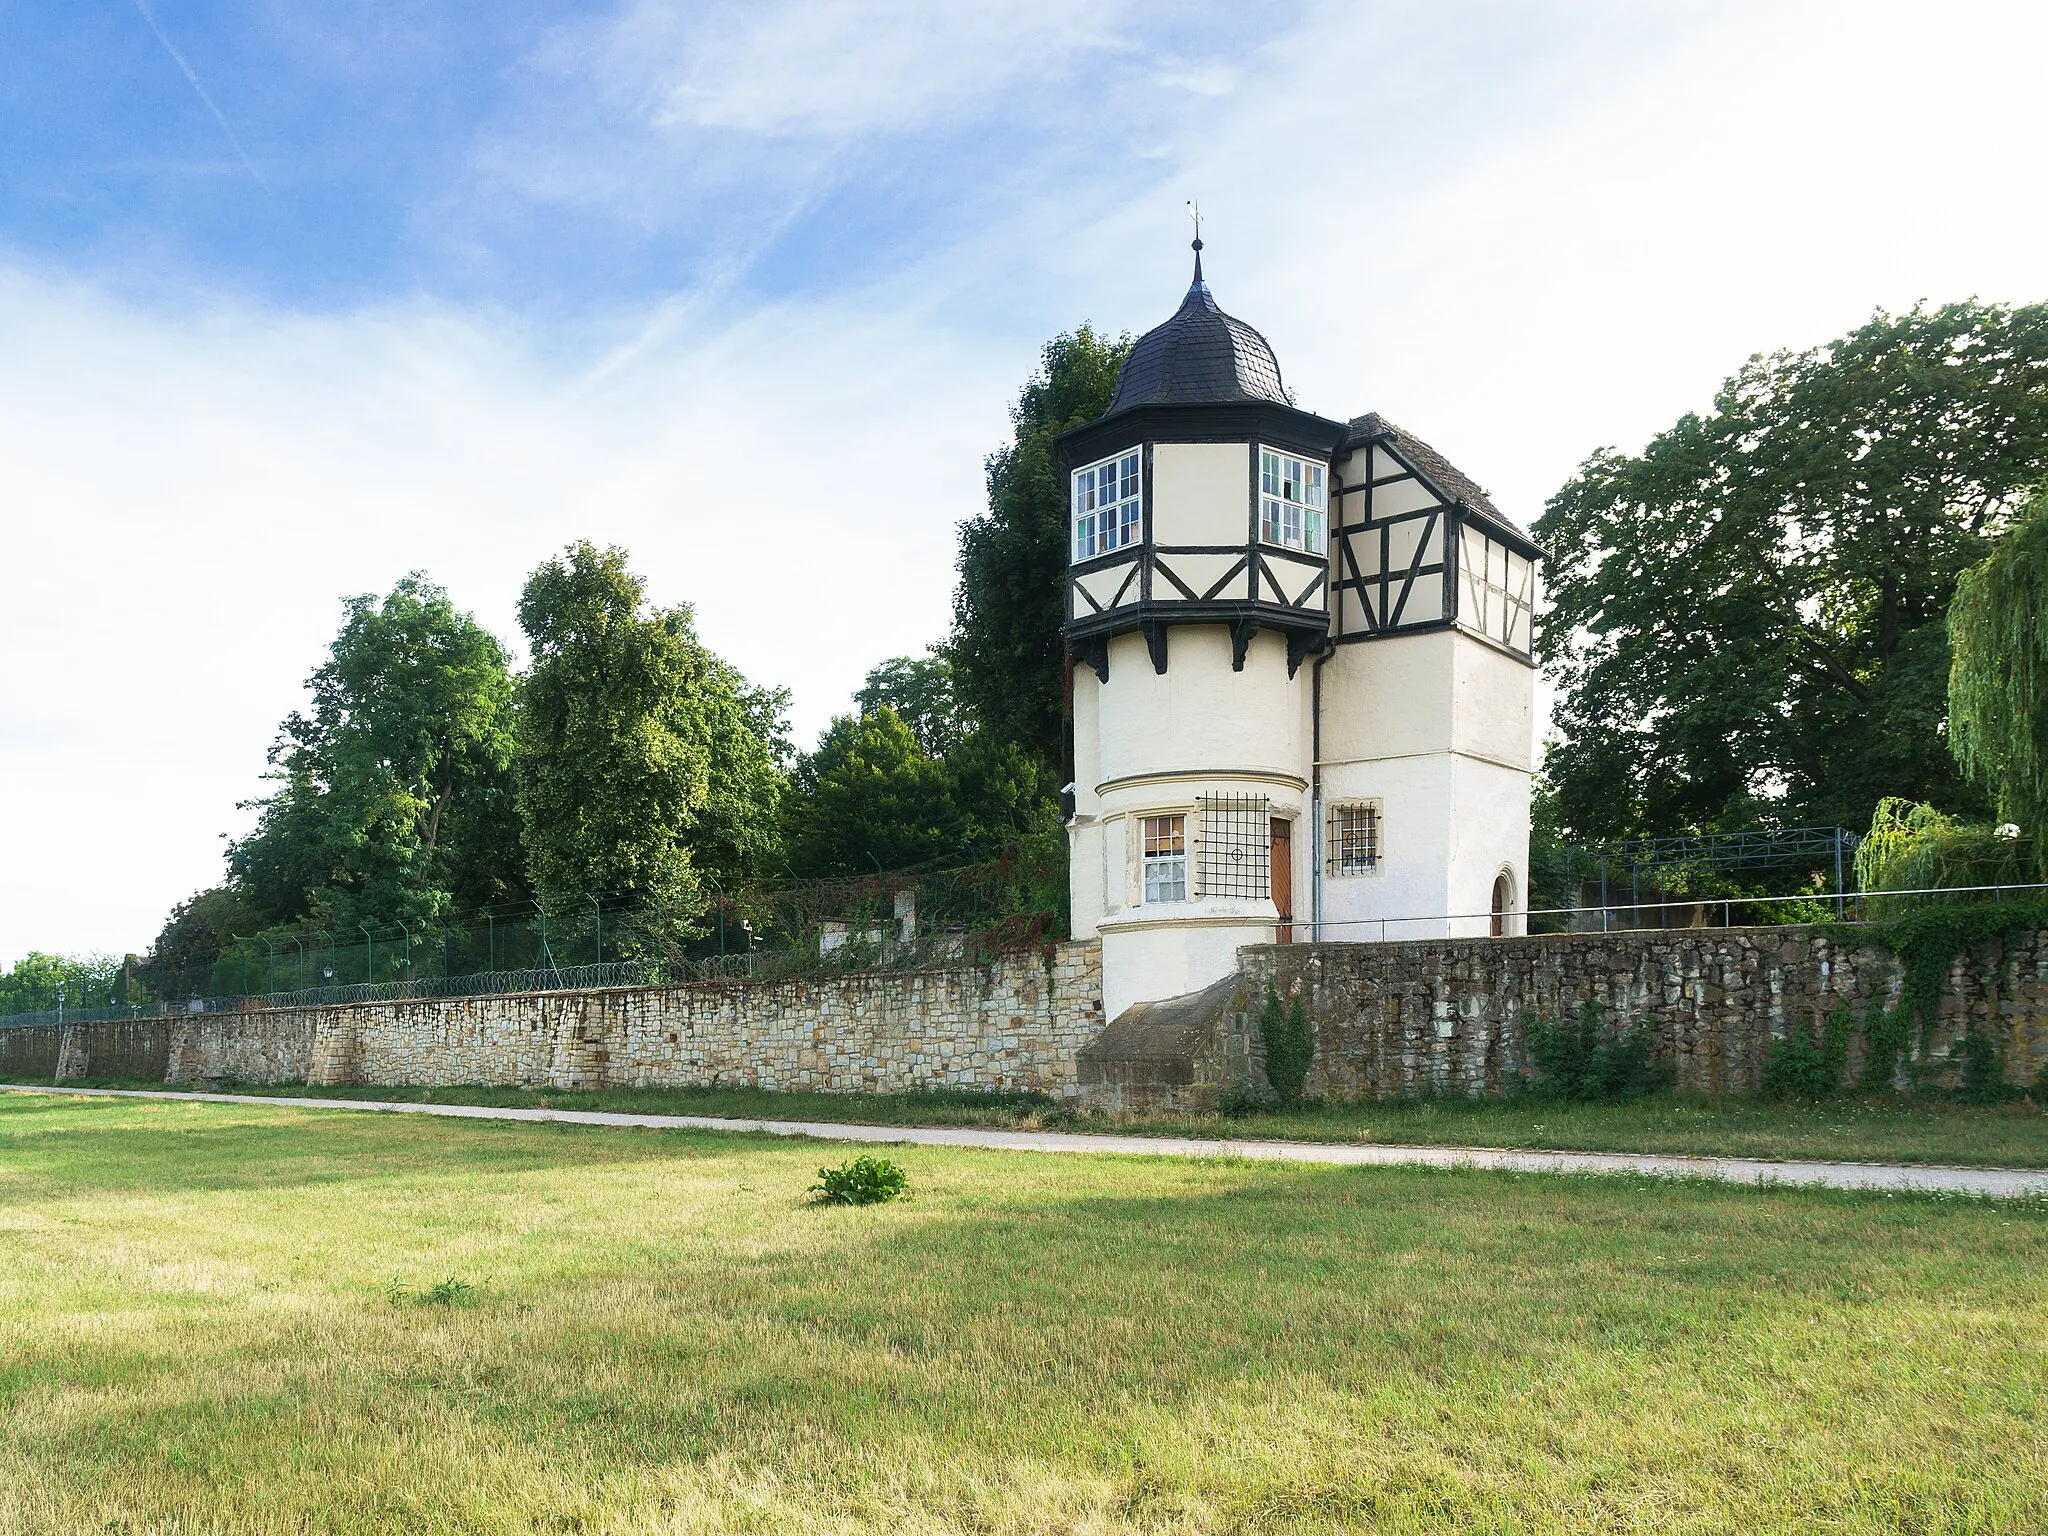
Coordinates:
[1178,1053]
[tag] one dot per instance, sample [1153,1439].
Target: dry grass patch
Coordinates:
[198,1332]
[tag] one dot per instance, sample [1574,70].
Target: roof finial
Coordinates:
[1195,213]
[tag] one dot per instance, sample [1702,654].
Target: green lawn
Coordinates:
[209,1321]
[2014,1135]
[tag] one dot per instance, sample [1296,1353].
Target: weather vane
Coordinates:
[1195,213]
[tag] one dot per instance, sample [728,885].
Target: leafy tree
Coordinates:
[396,794]
[1748,614]
[1998,675]
[643,758]
[34,982]
[197,930]
[870,795]
[1008,607]
[920,690]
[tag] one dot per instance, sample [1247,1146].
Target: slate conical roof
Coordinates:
[1199,355]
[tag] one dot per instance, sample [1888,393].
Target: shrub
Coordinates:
[1802,1067]
[863,1181]
[442,1293]
[1290,1048]
[1579,1062]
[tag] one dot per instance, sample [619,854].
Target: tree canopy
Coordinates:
[920,690]
[870,797]
[1008,607]
[396,792]
[1998,675]
[642,758]
[1748,621]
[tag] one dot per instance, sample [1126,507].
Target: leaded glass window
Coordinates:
[1166,858]
[1292,501]
[1107,506]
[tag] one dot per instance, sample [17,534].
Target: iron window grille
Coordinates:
[1236,846]
[1354,838]
[1166,859]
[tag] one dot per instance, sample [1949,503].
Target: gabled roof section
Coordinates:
[1452,483]
[1200,356]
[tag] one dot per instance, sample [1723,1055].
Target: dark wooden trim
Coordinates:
[1148,554]
[1228,421]
[1242,633]
[1095,563]
[1155,643]
[1414,570]
[1160,567]
[1251,534]
[1225,579]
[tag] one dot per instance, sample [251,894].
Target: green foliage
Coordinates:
[1749,615]
[200,928]
[34,982]
[1928,940]
[451,1292]
[395,795]
[1582,1063]
[1998,675]
[641,756]
[1917,848]
[1008,607]
[920,690]
[1808,1068]
[869,797]
[865,1180]
[1290,1044]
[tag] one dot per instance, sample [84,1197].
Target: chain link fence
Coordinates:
[885,921]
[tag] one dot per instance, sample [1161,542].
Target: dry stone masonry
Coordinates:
[1434,1017]
[1018,1023]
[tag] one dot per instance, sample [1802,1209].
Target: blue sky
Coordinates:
[297,298]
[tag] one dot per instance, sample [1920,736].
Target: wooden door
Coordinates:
[1283,878]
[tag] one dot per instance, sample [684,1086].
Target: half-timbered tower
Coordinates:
[1302,690]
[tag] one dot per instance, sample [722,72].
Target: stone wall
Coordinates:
[1018,1023]
[1446,1016]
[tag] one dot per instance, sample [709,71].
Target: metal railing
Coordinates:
[1848,906]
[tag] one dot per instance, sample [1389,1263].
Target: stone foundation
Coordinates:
[1018,1023]
[1446,1016]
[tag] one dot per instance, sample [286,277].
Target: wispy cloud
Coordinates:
[178,58]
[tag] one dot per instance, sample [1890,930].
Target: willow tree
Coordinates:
[1998,674]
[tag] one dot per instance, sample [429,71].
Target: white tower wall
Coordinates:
[1154,744]
[1437,730]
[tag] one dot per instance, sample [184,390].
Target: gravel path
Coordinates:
[1734,1170]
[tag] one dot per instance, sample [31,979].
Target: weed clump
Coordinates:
[1803,1069]
[1581,1063]
[864,1180]
[1290,1048]
[451,1292]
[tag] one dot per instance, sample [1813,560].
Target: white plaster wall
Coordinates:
[1086,897]
[1412,880]
[1489,832]
[1087,739]
[1495,711]
[1143,962]
[1390,698]
[1201,493]
[1199,715]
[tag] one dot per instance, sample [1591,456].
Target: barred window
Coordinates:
[1236,846]
[1354,838]
[1166,858]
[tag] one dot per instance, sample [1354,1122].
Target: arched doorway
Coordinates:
[1503,902]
